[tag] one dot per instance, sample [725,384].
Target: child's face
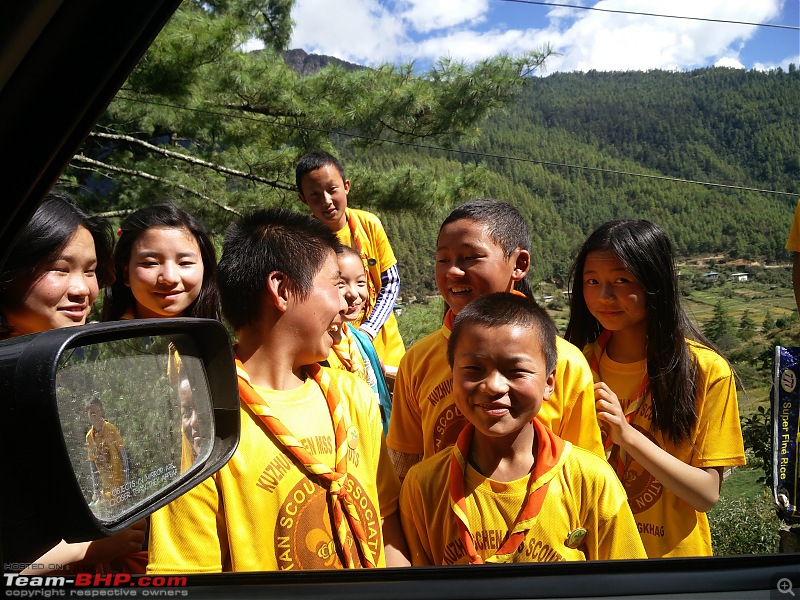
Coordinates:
[325,193]
[353,285]
[63,294]
[189,422]
[165,272]
[95,413]
[470,264]
[313,317]
[612,294]
[500,378]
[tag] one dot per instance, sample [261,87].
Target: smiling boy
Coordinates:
[310,485]
[323,187]
[510,490]
[483,247]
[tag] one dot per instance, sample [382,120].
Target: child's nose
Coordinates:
[78,285]
[495,383]
[607,292]
[168,273]
[455,270]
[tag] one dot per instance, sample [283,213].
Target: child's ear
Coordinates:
[302,198]
[277,289]
[346,186]
[522,264]
[549,385]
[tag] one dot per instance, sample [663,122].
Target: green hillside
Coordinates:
[717,125]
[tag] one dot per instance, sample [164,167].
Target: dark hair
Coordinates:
[352,251]
[502,223]
[647,253]
[119,297]
[94,400]
[42,241]
[264,242]
[313,161]
[503,308]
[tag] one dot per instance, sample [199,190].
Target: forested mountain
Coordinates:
[717,125]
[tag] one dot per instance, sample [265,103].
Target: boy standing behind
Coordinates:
[511,490]
[323,187]
[310,485]
[483,247]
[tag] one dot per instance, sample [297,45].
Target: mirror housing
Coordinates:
[45,498]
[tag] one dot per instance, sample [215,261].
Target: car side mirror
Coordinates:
[105,423]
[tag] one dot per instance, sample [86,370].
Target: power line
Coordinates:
[644,14]
[473,153]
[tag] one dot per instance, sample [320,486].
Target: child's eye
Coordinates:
[519,372]
[591,282]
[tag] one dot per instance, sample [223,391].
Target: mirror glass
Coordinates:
[135,414]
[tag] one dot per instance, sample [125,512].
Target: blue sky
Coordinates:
[371,32]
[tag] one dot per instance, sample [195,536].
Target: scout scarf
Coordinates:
[342,507]
[614,454]
[550,448]
[346,350]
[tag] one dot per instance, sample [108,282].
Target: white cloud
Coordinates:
[471,46]
[613,41]
[783,64]
[361,31]
[425,16]
[729,61]
[372,32]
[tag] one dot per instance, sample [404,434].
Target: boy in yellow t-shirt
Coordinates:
[323,187]
[510,490]
[310,485]
[108,458]
[483,247]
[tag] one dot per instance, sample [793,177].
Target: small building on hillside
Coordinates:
[711,275]
[738,277]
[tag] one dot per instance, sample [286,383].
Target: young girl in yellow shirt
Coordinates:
[666,401]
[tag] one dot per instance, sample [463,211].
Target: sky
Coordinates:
[372,32]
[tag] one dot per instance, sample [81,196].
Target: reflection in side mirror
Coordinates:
[103,424]
[135,414]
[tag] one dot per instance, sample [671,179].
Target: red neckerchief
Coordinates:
[549,448]
[334,479]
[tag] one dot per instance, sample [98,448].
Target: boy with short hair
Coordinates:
[310,485]
[483,247]
[323,187]
[511,490]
